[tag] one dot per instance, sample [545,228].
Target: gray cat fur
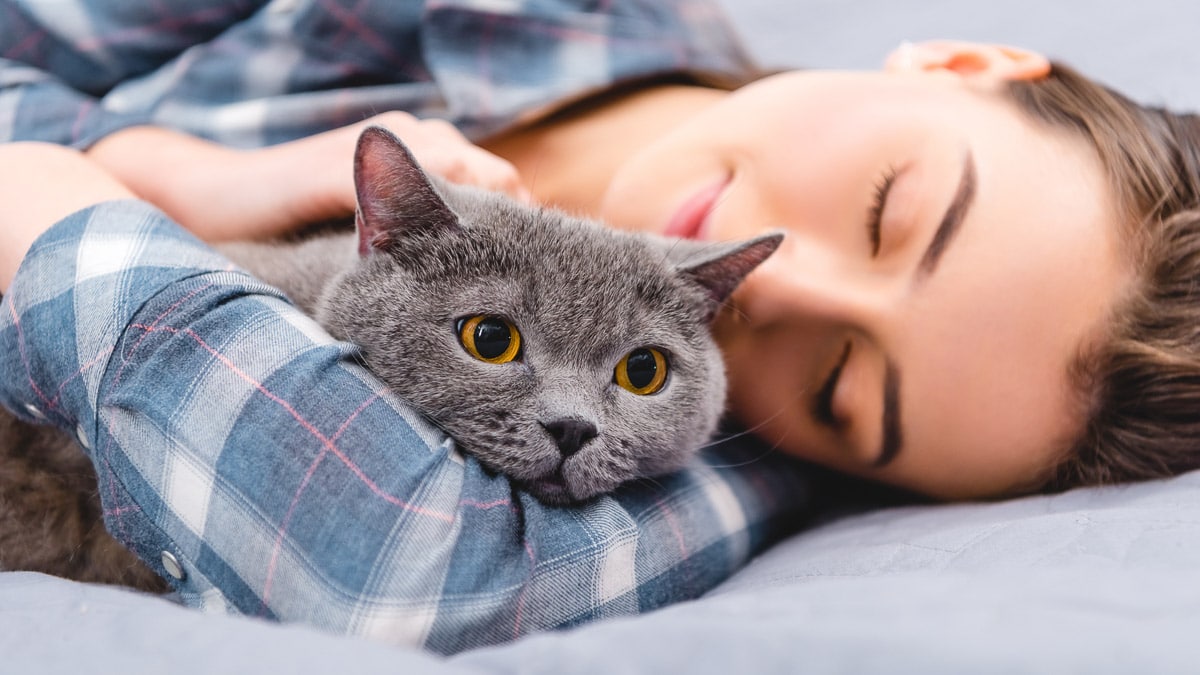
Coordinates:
[582,296]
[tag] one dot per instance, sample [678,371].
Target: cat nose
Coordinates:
[570,434]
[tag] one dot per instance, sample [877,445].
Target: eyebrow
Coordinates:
[892,440]
[952,220]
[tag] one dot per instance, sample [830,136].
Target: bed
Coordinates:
[1093,580]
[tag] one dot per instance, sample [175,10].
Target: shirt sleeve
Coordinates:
[231,434]
[249,73]
[59,60]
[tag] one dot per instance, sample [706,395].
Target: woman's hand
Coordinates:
[442,150]
[221,193]
[41,184]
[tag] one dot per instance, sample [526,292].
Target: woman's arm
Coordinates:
[30,207]
[222,193]
[106,76]
[98,75]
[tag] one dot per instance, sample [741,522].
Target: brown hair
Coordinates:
[1141,382]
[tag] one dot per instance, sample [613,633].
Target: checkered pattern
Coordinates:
[230,431]
[251,72]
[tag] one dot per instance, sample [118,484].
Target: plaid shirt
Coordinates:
[251,72]
[231,432]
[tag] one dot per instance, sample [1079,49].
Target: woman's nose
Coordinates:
[820,288]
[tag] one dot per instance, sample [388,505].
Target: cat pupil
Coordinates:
[641,368]
[492,338]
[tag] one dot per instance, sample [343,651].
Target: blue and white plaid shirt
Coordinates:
[232,432]
[251,72]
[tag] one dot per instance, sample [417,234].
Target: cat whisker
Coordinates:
[656,484]
[731,305]
[772,447]
[767,452]
[533,177]
[650,481]
[750,430]
[700,247]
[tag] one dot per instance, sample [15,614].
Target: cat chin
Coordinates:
[555,489]
[552,491]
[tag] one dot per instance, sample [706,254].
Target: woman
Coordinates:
[964,284]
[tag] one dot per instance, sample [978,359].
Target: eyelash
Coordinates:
[823,402]
[875,213]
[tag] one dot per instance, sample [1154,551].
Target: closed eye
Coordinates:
[875,214]
[822,405]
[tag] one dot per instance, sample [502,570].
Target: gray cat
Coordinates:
[571,357]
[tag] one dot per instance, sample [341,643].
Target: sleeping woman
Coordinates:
[985,290]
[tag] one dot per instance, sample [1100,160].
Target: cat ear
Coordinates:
[721,268]
[394,194]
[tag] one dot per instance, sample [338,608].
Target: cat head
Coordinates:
[567,355]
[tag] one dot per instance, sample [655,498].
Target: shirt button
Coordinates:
[33,410]
[82,436]
[171,564]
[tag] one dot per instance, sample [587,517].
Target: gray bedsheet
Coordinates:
[1100,580]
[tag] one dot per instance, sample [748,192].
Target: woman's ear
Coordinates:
[970,60]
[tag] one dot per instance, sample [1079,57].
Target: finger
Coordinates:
[495,173]
[503,181]
[477,167]
[441,149]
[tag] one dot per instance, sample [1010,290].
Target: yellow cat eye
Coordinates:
[642,371]
[490,339]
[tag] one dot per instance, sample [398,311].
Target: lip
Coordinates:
[692,215]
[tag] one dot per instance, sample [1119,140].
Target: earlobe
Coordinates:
[970,60]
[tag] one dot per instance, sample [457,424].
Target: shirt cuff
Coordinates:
[96,262]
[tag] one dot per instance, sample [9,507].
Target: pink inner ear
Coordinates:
[369,239]
[723,274]
[394,194]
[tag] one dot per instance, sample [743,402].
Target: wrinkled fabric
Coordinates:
[251,73]
[229,430]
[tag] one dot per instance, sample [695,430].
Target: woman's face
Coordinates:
[946,260]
